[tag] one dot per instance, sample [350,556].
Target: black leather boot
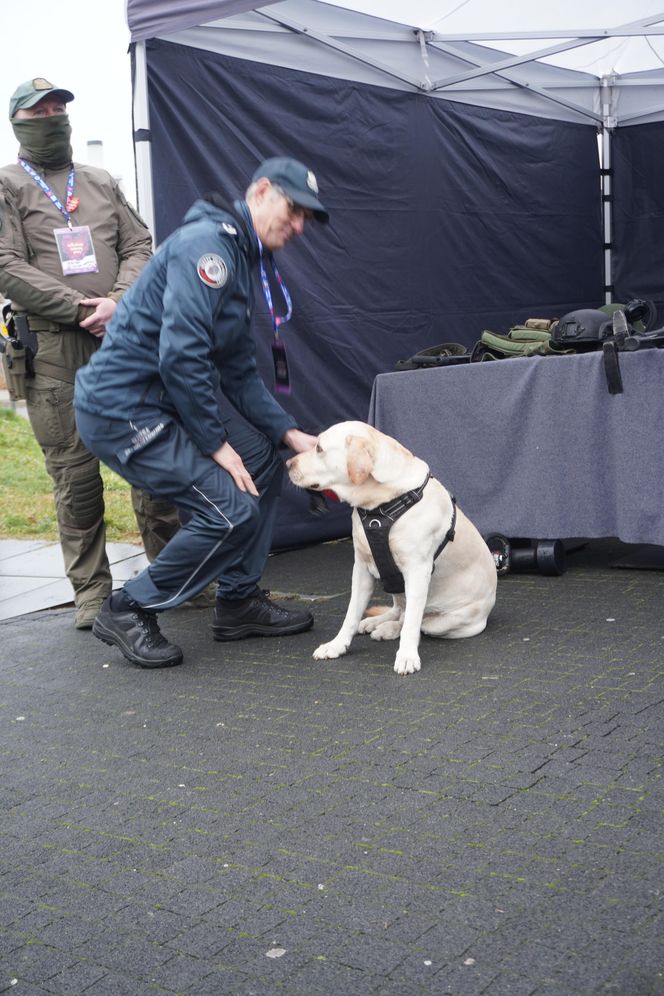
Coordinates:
[135,632]
[257,615]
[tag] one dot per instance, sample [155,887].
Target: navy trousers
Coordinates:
[228,533]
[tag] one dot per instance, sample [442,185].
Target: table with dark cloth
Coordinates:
[536,447]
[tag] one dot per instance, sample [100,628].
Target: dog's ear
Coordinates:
[390,458]
[359,458]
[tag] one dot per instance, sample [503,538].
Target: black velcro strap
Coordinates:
[612,368]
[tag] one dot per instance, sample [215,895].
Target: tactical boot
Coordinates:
[86,613]
[206,599]
[257,615]
[137,635]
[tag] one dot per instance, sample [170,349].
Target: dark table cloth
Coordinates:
[536,447]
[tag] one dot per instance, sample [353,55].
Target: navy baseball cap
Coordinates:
[296,180]
[30,93]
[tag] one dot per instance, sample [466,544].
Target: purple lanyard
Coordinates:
[51,194]
[277,320]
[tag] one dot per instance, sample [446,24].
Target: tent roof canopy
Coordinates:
[328,39]
[466,183]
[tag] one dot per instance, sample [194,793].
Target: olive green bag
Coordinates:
[533,338]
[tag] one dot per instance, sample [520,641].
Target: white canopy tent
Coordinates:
[519,70]
[462,169]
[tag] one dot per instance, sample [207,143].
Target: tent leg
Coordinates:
[608,124]
[142,138]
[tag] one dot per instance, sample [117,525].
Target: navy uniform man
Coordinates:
[147,405]
[70,246]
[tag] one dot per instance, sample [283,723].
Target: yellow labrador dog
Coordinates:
[448,575]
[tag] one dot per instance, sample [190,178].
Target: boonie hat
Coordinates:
[30,93]
[297,182]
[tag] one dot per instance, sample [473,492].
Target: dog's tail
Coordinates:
[376,610]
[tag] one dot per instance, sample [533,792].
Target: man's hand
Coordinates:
[231,461]
[299,441]
[104,308]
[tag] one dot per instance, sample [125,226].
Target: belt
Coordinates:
[45,367]
[43,325]
[42,366]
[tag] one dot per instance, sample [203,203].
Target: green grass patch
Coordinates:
[27,509]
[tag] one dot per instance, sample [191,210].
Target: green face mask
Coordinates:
[45,140]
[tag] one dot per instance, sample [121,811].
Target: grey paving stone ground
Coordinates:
[255,822]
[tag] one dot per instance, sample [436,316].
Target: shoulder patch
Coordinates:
[212,270]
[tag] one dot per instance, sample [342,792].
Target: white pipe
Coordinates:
[142,145]
[608,124]
[95,153]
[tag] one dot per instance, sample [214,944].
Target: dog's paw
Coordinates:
[387,630]
[393,617]
[407,662]
[326,651]
[368,624]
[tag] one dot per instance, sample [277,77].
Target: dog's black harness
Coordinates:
[377,523]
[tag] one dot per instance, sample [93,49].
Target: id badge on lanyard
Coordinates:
[282,384]
[75,249]
[281,374]
[74,244]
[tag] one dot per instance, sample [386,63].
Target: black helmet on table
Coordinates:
[585,329]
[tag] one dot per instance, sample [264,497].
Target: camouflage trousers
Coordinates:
[79,493]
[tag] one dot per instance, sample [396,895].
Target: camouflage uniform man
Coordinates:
[52,213]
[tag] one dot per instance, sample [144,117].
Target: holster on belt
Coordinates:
[14,366]
[19,347]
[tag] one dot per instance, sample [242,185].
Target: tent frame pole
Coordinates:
[609,122]
[143,140]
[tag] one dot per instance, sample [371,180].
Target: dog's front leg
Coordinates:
[362,586]
[417,588]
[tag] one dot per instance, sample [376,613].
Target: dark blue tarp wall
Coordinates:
[638,214]
[445,219]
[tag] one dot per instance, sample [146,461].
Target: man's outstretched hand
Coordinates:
[299,441]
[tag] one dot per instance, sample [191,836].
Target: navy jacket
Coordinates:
[182,331]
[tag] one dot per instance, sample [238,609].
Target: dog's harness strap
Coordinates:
[377,531]
[377,523]
[451,532]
